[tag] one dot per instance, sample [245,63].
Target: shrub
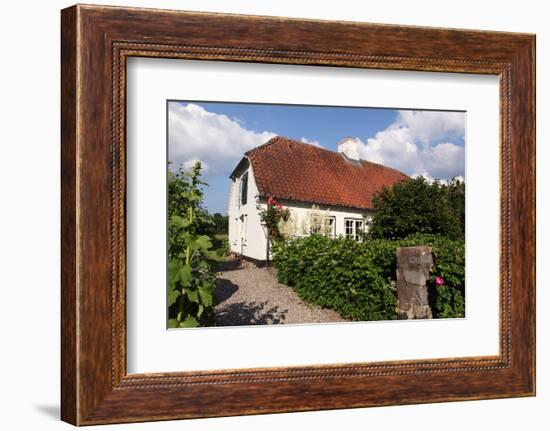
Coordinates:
[396,213]
[221,245]
[271,216]
[358,279]
[337,274]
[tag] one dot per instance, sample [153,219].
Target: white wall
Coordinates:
[29,228]
[300,215]
[252,241]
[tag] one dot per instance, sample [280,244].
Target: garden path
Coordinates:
[248,295]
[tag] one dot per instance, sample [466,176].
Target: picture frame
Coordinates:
[96,41]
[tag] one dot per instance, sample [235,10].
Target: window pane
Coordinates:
[349,228]
[358,229]
[244,188]
[331,226]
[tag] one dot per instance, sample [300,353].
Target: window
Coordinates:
[244,188]
[349,228]
[354,228]
[323,225]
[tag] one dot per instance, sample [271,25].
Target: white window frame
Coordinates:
[356,233]
[317,223]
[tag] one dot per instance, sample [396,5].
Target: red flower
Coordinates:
[271,201]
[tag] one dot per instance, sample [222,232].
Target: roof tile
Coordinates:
[288,169]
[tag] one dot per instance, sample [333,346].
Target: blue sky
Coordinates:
[426,143]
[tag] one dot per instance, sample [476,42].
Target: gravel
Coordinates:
[248,295]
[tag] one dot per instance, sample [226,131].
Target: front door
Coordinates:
[242,233]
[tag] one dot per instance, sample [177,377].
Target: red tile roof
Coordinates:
[288,169]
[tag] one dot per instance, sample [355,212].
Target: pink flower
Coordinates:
[439,280]
[271,201]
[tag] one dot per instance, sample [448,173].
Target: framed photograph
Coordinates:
[322,214]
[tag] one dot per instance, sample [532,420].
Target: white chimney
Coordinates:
[349,147]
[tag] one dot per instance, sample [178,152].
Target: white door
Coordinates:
[242,233]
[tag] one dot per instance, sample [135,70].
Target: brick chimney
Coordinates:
[349,147]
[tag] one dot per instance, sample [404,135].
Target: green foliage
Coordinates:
[221,223]
[185,192]
[455,194]
[416,206]
[337,274]
[271,216]
[190,278]
[357,279]
[222,248]
[217,225]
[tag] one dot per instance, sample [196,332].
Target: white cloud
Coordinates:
[431,179]
[215,139]
[417,142]
[188,164]
[420,143]
[444,160]
[428,126]
[313,142]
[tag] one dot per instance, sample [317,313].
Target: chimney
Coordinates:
[349,147]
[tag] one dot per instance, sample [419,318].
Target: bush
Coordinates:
[416,206]
[446,299]
[221,245]
[358,279]
[336,274]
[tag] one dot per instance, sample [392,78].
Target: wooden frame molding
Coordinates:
[95,43]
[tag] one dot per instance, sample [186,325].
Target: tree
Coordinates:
[221,223]
[456,192]
[417,206]
[190,278]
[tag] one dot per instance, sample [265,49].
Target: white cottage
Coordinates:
[325,191]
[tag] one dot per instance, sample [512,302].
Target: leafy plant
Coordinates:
[337,274]
[190,278]
[358,279]
[271,216]
[417,206]
[220,246]
[221,223]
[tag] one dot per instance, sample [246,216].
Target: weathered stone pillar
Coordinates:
[413,269]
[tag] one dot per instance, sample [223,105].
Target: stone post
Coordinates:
[413,269]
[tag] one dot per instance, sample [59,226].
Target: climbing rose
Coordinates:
[439,280]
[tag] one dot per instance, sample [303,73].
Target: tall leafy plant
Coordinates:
[190,278]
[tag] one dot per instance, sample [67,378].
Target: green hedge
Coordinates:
[358,279]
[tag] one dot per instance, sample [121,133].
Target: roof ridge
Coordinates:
[296,141]
[280,138]
[281,169]
[265,144]
[276,138]
[383,166]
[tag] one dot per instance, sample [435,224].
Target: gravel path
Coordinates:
[248,295]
